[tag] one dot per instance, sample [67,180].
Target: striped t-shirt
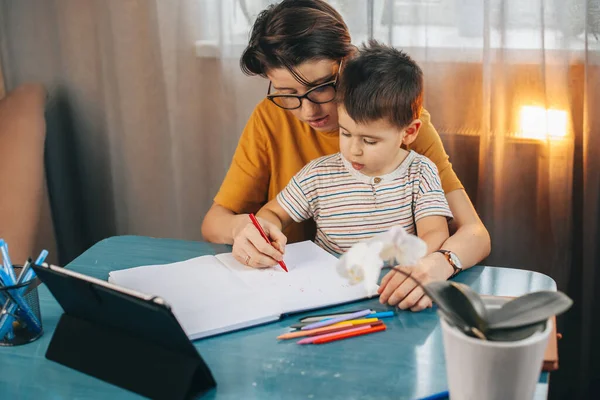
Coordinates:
[348,206]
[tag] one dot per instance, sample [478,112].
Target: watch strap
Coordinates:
[455,268]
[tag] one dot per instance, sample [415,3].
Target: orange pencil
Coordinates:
[264,235]
[312,339]
[348,329]
[317,331]
[345,335]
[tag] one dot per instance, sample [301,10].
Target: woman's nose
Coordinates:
[309,109]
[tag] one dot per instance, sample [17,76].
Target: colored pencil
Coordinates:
[299,325]
[327,329]
[318,331]
[381,314]
[321,317]
[348,334]
[335,320]
[311,339]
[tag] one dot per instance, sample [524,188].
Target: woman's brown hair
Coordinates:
[293,32]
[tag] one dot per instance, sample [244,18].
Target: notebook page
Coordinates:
[312,280]
[205,297]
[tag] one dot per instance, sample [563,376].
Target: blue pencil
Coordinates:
[382,314]
[437,396]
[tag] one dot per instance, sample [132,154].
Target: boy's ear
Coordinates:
[411,132]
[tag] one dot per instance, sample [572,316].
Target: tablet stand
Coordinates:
[128,361]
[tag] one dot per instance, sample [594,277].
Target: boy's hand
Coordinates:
[251,249]
[397,289]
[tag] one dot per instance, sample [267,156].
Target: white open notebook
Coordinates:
[215,294]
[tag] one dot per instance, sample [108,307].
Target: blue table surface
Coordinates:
[404,362]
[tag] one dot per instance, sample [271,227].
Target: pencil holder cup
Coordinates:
[20,319]
[492,370]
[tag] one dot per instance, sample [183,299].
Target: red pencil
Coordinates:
[350,334]
[264,235]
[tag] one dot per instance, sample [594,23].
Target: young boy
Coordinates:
[373,183]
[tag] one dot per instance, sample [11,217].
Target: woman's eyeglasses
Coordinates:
[320,94]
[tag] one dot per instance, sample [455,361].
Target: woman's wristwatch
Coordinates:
[453,260]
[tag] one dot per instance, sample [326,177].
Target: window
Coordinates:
[552,25]
[450,29]
[225,25]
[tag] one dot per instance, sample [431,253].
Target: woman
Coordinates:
[300,46]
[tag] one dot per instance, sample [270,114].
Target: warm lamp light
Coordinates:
[541,124]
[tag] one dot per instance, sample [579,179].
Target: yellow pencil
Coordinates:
[327,329]
[358,321]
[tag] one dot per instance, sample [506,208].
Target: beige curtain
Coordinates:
[141,129]
[147,104]
[2,89]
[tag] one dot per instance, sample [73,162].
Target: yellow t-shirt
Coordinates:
[275,145]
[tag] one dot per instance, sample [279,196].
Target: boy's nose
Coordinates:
[356,148]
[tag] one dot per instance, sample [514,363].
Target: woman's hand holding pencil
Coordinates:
[259,243]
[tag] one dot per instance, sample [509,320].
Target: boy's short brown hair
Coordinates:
[381,82]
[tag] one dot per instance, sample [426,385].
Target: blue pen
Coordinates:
[6,261]
[7,318]
[27,273]
[42,257]
[4,281]
[8,332]
[6,326]
[30,273]
[4,278]
[9,308]
[437,396]
[382,314]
